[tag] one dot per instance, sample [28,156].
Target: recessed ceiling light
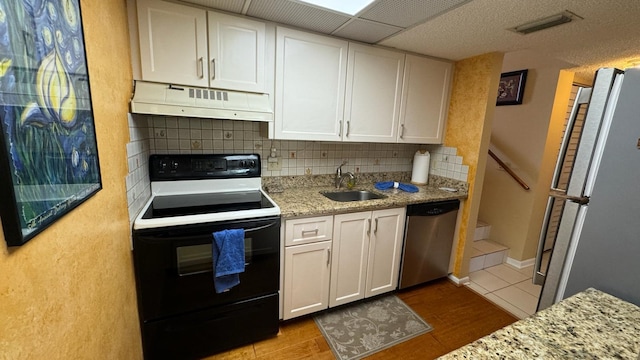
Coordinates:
[350,7]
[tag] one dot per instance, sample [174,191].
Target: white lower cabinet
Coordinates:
[306,278]
[385,250]
[360,259]
[366,254]
[307,265]
[349,262]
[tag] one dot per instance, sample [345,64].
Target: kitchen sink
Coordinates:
[353,195]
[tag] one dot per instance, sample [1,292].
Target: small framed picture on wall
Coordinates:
[511,87]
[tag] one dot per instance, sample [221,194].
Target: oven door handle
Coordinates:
[259,227]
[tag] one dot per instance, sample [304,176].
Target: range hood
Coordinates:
[176,100]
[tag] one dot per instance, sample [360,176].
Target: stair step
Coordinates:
[487,253]
[482,231]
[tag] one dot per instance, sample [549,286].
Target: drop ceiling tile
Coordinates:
[409,12]
[296,14]
[234,6]
[366,31]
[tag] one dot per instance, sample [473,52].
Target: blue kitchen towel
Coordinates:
[228,258]
[384,185]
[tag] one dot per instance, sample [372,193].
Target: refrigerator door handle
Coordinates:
[538,276]
[562,194]
[582,98]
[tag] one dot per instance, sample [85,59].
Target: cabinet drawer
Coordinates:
[308,230]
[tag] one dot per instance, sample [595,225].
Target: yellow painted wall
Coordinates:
[529,136]
[475,85]
[69,293]
[548,161]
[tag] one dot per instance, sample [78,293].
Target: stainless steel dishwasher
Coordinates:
[427,242]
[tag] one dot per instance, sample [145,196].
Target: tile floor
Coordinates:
[508,287]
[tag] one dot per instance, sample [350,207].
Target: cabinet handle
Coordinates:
[314,231]
[200,67]
[369,227]
[375,230]
[402,131]
[340,129]
[348,127]
[328,257]
[213,69]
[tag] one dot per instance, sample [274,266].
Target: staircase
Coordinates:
[486,253]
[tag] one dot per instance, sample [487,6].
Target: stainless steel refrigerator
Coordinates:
[591,233]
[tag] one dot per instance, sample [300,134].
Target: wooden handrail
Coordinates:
[509,171]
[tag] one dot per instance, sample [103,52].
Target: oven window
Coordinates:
[196,259]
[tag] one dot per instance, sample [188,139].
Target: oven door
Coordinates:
[174,273]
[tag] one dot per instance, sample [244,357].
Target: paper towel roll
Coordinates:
[420,173]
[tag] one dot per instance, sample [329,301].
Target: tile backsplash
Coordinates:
[445,162]
[177,135]
[194,136]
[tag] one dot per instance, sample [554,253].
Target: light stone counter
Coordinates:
[588,325]
[304,199]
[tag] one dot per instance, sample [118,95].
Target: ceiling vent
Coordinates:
[545,23]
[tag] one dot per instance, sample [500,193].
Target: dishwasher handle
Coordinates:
[433,208]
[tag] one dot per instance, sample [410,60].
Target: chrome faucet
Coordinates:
[339,176]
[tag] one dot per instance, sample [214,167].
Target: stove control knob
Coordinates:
[163,165]
[252,163]
[174,165]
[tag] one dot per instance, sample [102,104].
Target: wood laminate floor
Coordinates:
[457,314]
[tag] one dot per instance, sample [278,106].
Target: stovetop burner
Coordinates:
[189,189]
[195,204]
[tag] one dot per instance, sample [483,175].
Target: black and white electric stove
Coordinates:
[194,196]
[190,189]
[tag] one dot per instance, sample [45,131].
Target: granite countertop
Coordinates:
[588,325]
[306,200]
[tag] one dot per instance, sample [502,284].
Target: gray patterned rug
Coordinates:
[360,330]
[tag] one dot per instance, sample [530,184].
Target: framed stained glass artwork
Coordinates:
[48,148]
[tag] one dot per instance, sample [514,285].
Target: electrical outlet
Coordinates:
[196,145]
[228,135]
[292,154]
[308,171]
[274,165]
[160,133]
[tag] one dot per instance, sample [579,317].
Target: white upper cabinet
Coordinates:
[310,86]
[236,53]
[177,47]
[173,43]
[374,89]
[425,100]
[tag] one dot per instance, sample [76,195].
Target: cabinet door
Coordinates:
[310,80]
[349,259]
[374,87]
[383,265]
[306,278]
[173,43]
[425,100]
[236,53]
